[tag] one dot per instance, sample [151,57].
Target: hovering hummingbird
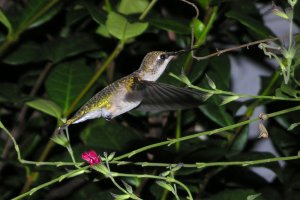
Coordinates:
[139,90]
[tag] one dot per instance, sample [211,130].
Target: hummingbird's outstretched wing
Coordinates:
[161,97]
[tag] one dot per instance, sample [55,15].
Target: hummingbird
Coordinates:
[139,90]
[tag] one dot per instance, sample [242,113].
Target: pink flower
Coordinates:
[91,157]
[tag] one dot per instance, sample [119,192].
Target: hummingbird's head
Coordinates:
[154,64]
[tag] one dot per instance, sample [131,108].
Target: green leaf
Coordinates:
[217,114]
[37,12]
[229,99]
[234,194]
[165,185]
[47,107]
[25,53]
[176,26]
[253,24]
[96,13]
[60,139]
[107,135]
[211,82]
[198,28]
[128,7]
[239,143]
[293,126]
[66,81]
[5,21]
[47,16]
[62,48]
[128,187]
[253,197]
[119,27]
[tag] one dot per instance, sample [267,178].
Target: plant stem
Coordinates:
[178,128]
[58,179]
[167,179]
[226,128]
[146,11]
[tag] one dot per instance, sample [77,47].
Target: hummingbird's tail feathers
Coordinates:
[162,97]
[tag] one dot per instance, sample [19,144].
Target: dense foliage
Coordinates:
[56,54]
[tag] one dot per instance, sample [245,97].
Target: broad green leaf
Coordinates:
[253,24]
[46,106]
[240,141]
[229,99]
[62,48]
[221,76]
[107,135]
[25,53]
[5,21]
[217,114]
[37,12]
[128,7]
[66,81]
[119,27]
[180,27]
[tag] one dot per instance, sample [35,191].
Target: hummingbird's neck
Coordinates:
[152,72]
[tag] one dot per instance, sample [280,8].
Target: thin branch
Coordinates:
[219,52]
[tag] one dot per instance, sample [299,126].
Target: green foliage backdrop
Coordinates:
[56,54]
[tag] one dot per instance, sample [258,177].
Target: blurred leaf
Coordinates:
[217,114]
[96,13]
[37,12]
[25,53]
[254,196]
[234,194]
[170,25]
[239,142]
[286,142]
[107,135]
[47,16]
[293,126]
[128,7]
[66,81]
[46,106]
[9,92]
[250,22]
[5,21]
[119,27]
[62,48]
[288,90]
[221,76]
[204,3]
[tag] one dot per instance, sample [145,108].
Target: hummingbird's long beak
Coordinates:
[175,53]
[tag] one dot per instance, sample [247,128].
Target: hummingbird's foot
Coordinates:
[108,117]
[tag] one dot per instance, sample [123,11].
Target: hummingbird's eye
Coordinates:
[162,57]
